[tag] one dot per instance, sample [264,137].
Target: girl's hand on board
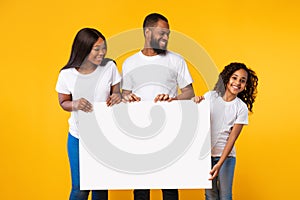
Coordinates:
[197,99]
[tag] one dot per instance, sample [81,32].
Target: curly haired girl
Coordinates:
[233,96]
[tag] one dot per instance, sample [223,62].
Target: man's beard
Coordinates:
[156,48]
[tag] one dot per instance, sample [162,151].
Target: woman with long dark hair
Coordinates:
[87,77]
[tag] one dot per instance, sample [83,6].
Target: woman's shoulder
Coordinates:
[108,61]
[68,71]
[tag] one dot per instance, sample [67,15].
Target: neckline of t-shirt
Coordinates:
[85,75]
[222,100]
[150,57]
[229,102]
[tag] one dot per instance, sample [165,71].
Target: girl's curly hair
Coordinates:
[248,95]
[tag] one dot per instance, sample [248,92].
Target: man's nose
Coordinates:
[166,36]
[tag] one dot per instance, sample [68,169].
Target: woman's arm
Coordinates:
[66,102]
[115,96]
[234,134]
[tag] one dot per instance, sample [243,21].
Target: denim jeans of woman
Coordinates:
[76,193]
[222,184]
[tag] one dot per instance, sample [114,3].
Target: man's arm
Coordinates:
[186,93]
[128,96]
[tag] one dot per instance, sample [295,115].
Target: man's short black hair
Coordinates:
[152,19]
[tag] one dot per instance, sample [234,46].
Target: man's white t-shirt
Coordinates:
[95,87]
[148,76]
[223,116]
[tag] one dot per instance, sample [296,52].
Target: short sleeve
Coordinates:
[116,78]
[126,78]
[61,86]
[183,77]
[242,115]
[207,95]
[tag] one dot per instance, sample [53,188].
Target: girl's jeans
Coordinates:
[222,184]
[76,193]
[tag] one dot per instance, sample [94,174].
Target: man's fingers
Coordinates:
[130,98]
[162,97]
[165,97]
[135,98]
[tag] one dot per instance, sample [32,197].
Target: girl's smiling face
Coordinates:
[237,82]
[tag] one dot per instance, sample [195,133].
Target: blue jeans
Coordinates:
[222,184]
[76,193]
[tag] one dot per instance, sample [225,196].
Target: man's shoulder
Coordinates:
[174,55]
[132,57]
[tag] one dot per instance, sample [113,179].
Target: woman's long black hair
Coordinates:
[82,46]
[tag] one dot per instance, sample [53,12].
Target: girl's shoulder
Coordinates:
[240,104]
[211,94]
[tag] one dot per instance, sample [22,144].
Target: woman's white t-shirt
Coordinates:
[223,116]
[95,87]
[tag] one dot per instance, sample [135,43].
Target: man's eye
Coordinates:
[164,33]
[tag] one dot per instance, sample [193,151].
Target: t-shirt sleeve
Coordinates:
[207,95]
[242,115]
[183,77]
[61,86]
[126,83]
[116,78]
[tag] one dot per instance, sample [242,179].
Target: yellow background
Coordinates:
[35,42]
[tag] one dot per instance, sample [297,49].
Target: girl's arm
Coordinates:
[115,96]
[234,134]
[66,102]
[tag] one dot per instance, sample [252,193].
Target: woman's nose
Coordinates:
[102,51]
